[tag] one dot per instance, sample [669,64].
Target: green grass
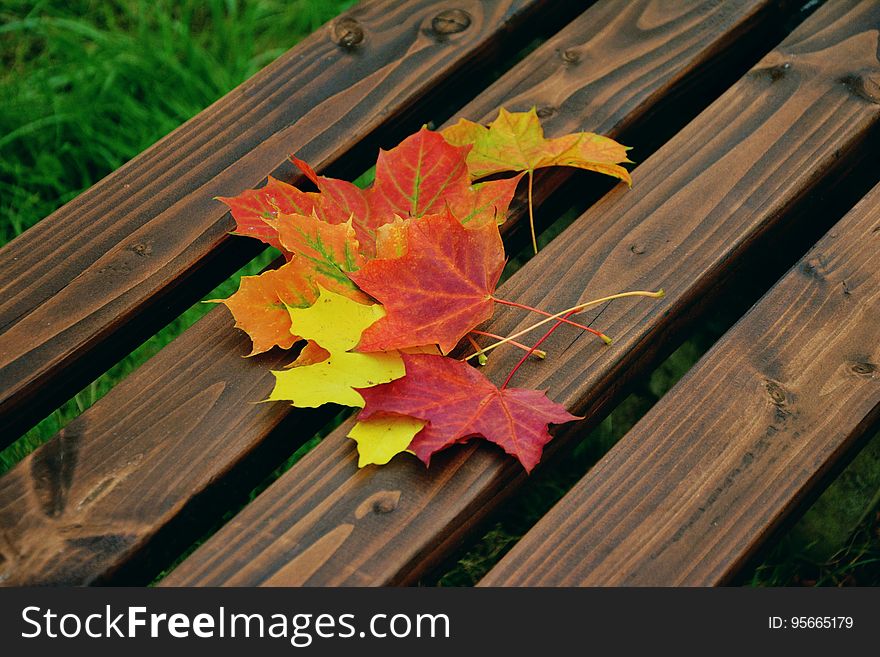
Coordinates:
[85,86]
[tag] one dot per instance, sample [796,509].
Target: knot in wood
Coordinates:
[546,112]
[451,21]
[777,394]
[864,369]
[865,86]
[814,268]
[347,32]
[570,56]
[638,249]
[141,249]
[779,71]
[385,503]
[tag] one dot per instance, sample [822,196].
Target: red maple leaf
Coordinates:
[253,207]
[422,175]
[439,290]
[341,200]
[458,403]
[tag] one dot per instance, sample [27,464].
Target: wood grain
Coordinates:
[693,489]
[87,284]
[746,168]
[650,64]
[152,462]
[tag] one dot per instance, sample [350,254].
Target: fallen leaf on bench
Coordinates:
[458,402]
[331,251]
[423,241]
[260,304]
[382,437]
[253,207]
[440,289]
[515,141]
[422,175]
[334,323]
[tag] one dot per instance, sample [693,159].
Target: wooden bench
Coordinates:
[755,147]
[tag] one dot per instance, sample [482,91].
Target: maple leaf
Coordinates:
[310,354]
[422,175]
[382,437]
[260,304]
[331,250]
[515,142]
[425,174]
[334,323]
[391,239]
[253,207]
[322,255]
[458,403]
[440,289]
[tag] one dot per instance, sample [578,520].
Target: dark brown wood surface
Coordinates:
[693,489]
[87,284]
[744,169]
[148,467]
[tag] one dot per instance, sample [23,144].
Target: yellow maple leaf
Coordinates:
[515,141]
[380,438]
[335,323]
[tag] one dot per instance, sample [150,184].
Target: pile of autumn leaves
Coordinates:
[382,283]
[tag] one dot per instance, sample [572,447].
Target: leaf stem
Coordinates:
[568,311]
[538,352]
[532,212]
[522,360]
[565,320]
[482,359]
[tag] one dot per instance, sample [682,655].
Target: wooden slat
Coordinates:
[148,467]
[88,283]
[693,489]
[733,178]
